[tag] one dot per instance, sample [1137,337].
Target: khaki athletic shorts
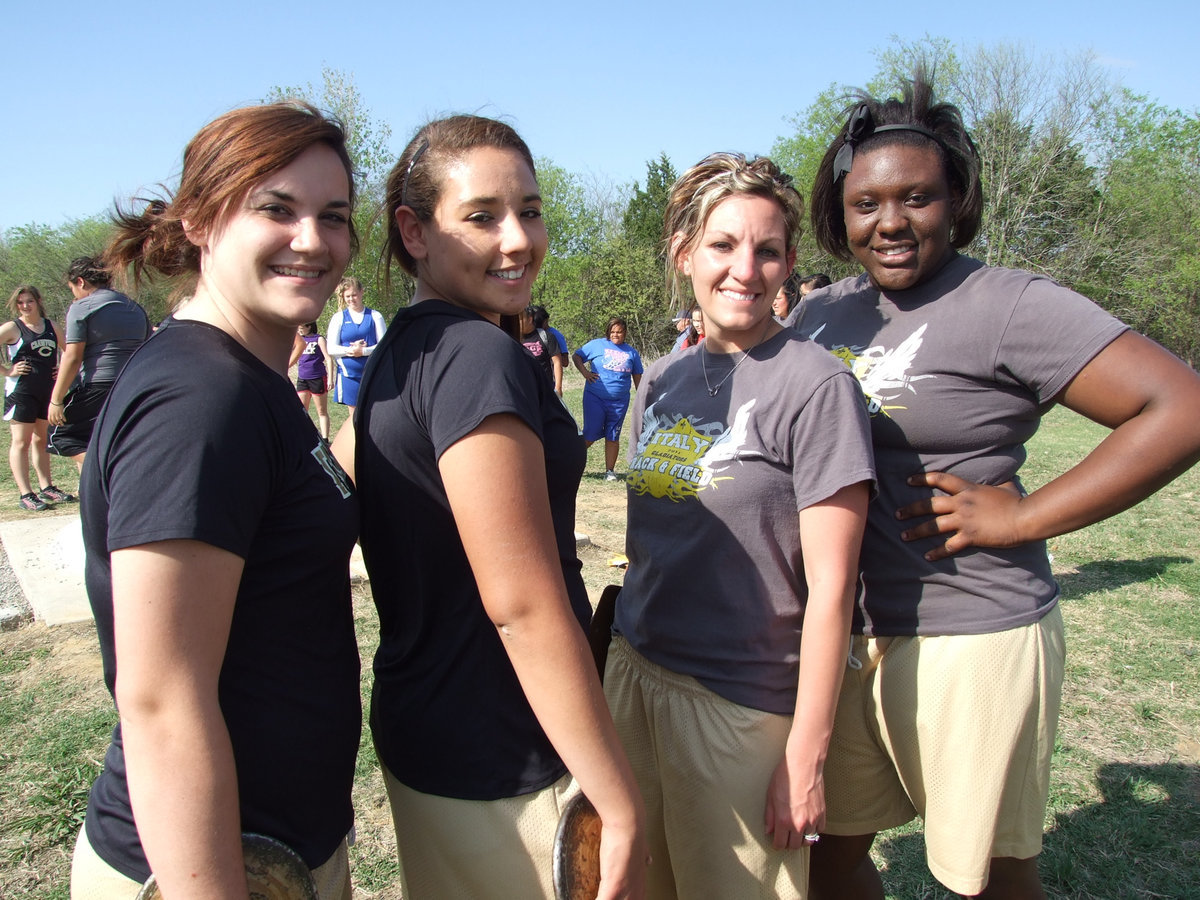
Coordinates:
[94,879]
[956,729]
[703,765]
[454,849]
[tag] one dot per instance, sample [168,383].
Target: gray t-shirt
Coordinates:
[111,327]
[957,373]
[715,587]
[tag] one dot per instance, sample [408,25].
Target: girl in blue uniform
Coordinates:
[353,333]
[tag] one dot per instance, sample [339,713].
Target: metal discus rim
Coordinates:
[274,871]
[577,851]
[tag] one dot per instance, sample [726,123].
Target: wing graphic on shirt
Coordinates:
[883,374]
[731,441]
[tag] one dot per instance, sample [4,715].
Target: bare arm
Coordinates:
[588,375]
[508,536]
[328,362]
[830,535]
[58,336]
[556,364]
[297,349]
[1147,396]
[343,447]
[637,380]
[9,335]
[173,603]
[68,368]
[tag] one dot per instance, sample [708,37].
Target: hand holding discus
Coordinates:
[274,871]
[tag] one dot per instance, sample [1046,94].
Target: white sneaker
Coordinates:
[610,475]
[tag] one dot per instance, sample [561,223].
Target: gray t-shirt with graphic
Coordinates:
[957,373]
[715,587]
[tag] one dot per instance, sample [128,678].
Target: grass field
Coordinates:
[1124,817]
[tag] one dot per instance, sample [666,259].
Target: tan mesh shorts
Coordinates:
[958,730]
[467,849]
[703,765]
[94,879]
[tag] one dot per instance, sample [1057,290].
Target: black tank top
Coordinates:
[40,350]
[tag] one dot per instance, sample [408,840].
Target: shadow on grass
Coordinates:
[1110,574]
[1141,840]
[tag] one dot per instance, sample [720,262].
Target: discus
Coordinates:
[577,851]
[274,871]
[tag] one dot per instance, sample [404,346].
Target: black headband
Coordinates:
[861,126]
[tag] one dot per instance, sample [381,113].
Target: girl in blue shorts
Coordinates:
[608,365]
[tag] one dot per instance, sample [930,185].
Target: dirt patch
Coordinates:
[69,652]
[600,514]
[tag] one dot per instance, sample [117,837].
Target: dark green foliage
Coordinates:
[643,221]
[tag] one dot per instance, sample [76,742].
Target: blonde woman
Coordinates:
[353,332]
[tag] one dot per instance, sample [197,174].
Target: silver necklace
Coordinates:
[713,391]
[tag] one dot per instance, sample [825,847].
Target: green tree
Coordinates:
[39,255]
[1150,173]
[622,277]
[576,223]
[643,221]
[799,154]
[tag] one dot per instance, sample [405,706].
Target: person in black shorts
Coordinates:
[309,355]
[104,327]
[32,341]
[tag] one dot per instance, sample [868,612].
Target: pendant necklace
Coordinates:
[713,391]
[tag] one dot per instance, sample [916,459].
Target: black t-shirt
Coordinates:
[542,348]
[447,712]
[199,440]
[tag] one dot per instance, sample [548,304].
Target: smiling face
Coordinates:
[354,298]
[616,334]
[737,266]
[271,263]
[486,241]
[28,307]
[779,306]
[898,208]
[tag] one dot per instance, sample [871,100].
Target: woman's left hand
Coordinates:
[57,415]
[795,811]
[623,862]
[974,515]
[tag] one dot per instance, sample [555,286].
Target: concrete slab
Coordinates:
[46,555]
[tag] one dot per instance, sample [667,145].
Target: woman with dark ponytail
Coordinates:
[104,327]
[230,624]
[486,699]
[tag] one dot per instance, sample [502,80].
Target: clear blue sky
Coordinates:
[99,99]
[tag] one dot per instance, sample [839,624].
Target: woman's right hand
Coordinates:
[624,856]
